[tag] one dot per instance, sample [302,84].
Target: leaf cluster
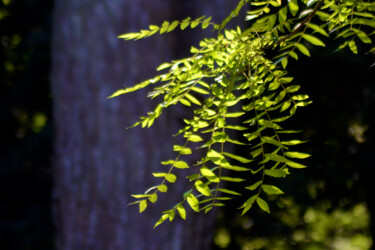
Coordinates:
[230,84]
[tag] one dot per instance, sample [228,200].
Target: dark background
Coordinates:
[331,198]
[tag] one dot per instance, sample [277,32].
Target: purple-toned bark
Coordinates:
[98,163]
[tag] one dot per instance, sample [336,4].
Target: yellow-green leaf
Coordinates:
[181,211]
[313,40]
[209,174]
[277,173]
[255,185]
[181,164]
[163,188]
[153,197]
[171,178]
[202,188]
[142,206]
[302,48]
[193,202]
[263,205]
[237,158]
[298,155]
[161,220]
[269,189]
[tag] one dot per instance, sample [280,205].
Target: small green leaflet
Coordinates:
[269,189]
[293,7]
[181,211]
[153,197]
[313,40]
[275,173]
[209,174]
[231,179]
[295,164]
[195,138]
[263,205]
[237,158]
[193,202]
[297,155]
[142,206]
[302,48]
[248,204]
[171,178]
[161,220]
[202,188]
[227,191]
[180,164]
[255,185]
[163,188]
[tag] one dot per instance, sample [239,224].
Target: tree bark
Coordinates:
[98,163]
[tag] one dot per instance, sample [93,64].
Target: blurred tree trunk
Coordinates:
[98,163]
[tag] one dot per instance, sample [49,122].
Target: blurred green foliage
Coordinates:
[25,111]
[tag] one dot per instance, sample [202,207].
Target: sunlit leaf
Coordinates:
[193,202]
[142,206]
[181,211]
[255,185]
[269,189]
[263,205]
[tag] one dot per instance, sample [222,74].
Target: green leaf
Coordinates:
[171,215]
[164,66]
[171,178]
[313,40]
[153,197]
[240,128]
[284,62]
[181,164]
[173,25]
[296,155]
[159,174]
[293,7]
[283,12]
[263,205]
[142,206]
[237,158]
[302,48]
[234,168]
[185,23]
[227,191]
[209,174]
[138,196]
[202,188]
[248,204]
[193,99]
[353,47]
[164,27]
[277,173]
[163,188]
[275,157]
[195,138]
[293,142]
[181,211]
[255,185]
[229,35]
[193,202]
[231,179]
[235,114]
[295,165]
[161,220]
[185,102]
[318,29]
[269,189]
[185,151]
